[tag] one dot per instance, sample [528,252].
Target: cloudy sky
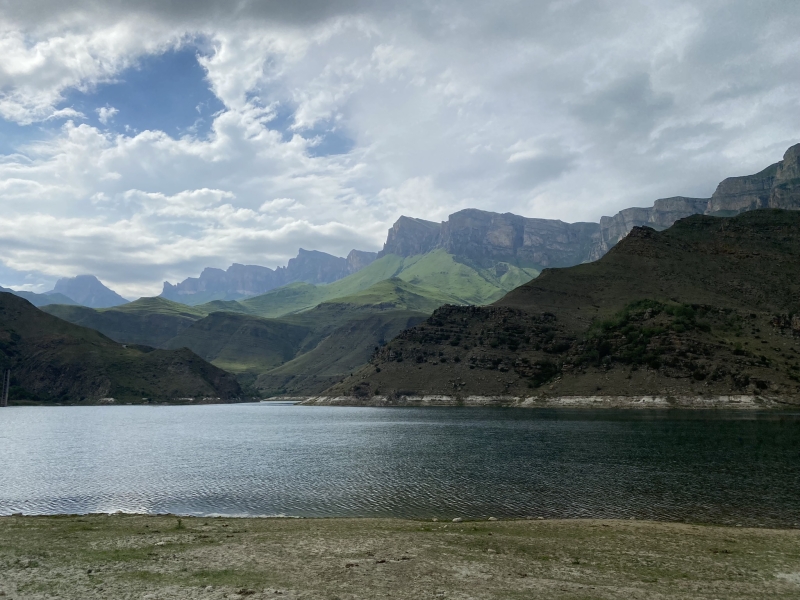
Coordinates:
[142,141]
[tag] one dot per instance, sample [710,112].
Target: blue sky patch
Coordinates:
[333,140]
[168,92]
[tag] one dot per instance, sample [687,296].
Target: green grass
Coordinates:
[437,275]
[395,293]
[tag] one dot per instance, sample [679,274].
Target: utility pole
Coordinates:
[6,387]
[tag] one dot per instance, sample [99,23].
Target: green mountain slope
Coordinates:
[394,293]
[148,321]
[40,299]
[253,346]
[343,350]
[53,360]
[240,343]
[708,306]
[438,273]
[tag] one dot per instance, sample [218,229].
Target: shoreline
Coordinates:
[165,556]
[743,402]
[734,402]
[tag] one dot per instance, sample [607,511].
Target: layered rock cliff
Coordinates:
[660,216]
[409,237]
[493,239]
[777,186]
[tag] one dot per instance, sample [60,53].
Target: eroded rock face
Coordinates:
[785,191]
[358,259]
[409,236]
[486,237]
[777,186]
[661,215]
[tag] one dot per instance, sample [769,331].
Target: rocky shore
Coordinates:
[663,402]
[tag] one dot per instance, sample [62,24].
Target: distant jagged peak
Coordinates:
[241,281]
[89,291]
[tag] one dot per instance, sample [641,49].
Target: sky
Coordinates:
[144,141]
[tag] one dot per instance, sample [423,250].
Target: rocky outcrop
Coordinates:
[661,215]
[785,192]
[738,194]
[240,281]
[486,237]
[88,291]
[358,259]
[409,237]
[777,186]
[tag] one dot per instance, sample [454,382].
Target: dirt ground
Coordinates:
[161,557]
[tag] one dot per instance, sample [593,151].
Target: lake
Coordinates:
[279,459]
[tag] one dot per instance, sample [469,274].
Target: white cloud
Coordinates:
[567,109]
[105,114]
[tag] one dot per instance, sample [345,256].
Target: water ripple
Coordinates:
[418,463]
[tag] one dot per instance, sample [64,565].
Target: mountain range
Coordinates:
[488,240]
[710,306]
[320,330]
[52,360]
[83,290]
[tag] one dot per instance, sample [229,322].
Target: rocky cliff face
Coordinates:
[358,259]
[88,291]
[661,215]
[239,281]
[739,194]
[785,192]
[409,236]
[777,186]
[487,237]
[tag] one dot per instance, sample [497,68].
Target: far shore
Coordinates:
[166,557]
[662,402]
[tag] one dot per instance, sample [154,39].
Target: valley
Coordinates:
[459,308]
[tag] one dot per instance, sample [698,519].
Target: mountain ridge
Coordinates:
[488,240]
[708,306]
[52,360]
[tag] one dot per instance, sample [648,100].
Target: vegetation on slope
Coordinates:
[242,344]
[438,274]
[323,333]
[53,360]
[708,306]
[148,321]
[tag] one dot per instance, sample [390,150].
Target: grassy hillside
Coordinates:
[53,360]
[439,274]
[395,293]
[148,321]
[242,344]
[40,299]
[709,306]
[318,346]
[337,354]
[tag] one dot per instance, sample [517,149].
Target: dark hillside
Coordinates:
[53,360]
[709,306]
